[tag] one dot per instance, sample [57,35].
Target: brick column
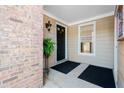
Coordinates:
[21,46]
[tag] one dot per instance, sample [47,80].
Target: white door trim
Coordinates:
[57,23]
[115,70]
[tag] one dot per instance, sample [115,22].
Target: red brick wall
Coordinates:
[21,46]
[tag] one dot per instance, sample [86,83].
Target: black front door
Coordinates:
[60,42]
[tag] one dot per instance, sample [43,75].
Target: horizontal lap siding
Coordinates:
[121,64]
[104,44]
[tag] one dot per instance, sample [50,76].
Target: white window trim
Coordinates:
[94,39]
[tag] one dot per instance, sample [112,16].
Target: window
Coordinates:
[86,38]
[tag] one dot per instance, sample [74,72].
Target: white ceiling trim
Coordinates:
[92,18]
[78,22]
[54,17]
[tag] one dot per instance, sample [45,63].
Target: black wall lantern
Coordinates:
[48,25]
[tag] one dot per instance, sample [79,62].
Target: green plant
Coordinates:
[48,48]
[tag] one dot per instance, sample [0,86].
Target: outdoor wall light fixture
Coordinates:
[48,25]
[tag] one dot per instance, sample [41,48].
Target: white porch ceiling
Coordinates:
[74,13]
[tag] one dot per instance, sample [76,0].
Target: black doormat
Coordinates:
[65,67]
[98,75]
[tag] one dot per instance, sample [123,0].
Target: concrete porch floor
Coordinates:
[59,80]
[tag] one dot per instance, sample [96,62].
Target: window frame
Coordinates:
[93,39]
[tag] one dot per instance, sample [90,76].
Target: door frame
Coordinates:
[57,23]
[115,71]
